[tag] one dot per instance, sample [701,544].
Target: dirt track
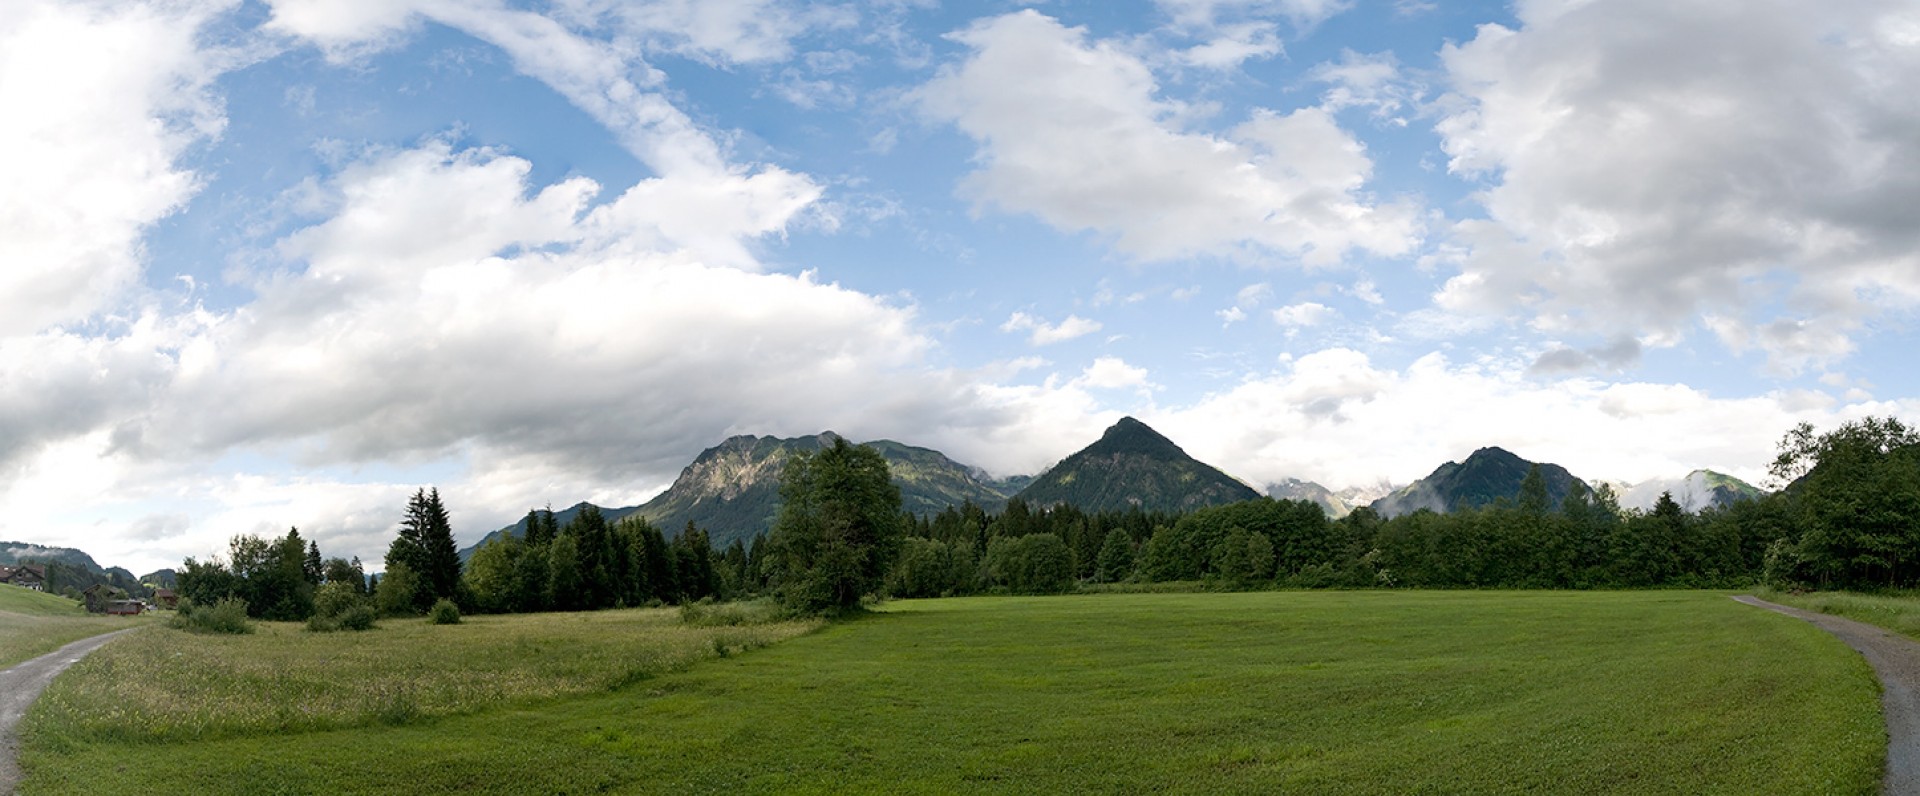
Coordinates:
[1896,659]
[20,685]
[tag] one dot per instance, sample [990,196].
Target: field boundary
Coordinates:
[20,685]
[1896,661]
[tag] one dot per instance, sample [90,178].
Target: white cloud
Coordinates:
[1651,163]
[1113,373]
[1071,131]
[89,147]
[733,32]
[1235,44]
[602,77]
[1306,313]
[1049,333]
[1248,298]
[1336,417]
[1304,14]
[1371,81]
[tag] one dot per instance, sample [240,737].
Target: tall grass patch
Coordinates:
[172,686]
[1896,611]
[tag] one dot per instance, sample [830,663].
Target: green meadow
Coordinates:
[34,623]
[1306,692]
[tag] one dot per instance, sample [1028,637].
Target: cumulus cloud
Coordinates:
[1049,333]
[1113,373]
[1651,163]
[1338,417]
[496,312]
[90,145]
[1622,353]
[1073,132]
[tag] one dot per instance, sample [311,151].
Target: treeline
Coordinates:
[590,564]
[1586,542]
[277,578]
[1848,518]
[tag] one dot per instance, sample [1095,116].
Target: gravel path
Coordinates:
[20,685]
[1896,659]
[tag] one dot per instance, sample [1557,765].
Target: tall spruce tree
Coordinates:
[425,545]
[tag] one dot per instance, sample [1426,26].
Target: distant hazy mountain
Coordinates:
[732,490]
[16,552]
[1488,475]
[1296,489]
[1698,490]
[73,560]
[1133,465]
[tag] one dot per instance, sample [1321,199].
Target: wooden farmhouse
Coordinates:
[32,576]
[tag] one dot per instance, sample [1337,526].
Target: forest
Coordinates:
[1848,517]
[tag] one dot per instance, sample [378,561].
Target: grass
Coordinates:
[1898,611]
[1321,692]
[168,686]
[35,623]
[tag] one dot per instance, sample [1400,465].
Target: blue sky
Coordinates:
[282,263]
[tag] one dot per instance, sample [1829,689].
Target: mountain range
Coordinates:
[732,490]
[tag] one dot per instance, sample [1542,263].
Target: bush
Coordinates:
[226,616]
[339,606]
[444,612]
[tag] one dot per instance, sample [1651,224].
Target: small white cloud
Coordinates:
[1113,373]
[1304,314]
[1047,333]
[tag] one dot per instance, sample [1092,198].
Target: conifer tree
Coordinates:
[425,545]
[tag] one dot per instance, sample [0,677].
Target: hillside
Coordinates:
[1488,475]
[1697,490]
[732,490]
[1133,465]
[27,602]
[70,567]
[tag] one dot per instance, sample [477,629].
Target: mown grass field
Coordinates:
[1321,692]
[35,623]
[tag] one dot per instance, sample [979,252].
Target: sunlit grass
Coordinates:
[168,685]
[1269,692]
[34,623]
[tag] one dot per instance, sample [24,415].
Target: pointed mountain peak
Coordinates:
[1132,436]
[1132,465]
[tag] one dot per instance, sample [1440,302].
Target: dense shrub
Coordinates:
[444,612]
[226,616]
[339,606]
